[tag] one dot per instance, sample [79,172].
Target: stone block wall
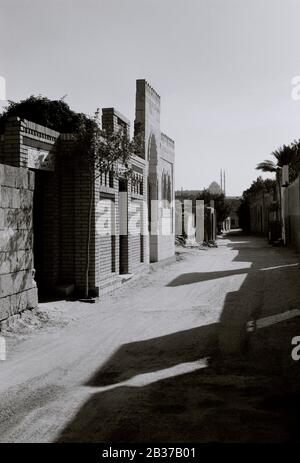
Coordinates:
[292,213]
[17,286]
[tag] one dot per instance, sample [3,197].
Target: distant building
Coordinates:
[200,217]
[215,189]
[232,221]
[235,202]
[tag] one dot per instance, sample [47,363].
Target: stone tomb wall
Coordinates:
[17,286]
[165,173]
[159,152]
[291,199]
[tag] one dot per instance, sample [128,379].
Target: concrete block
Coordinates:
[31,179]
[21,301]
[5,196]
[5,263]
[26,199]
[22,260]
[24,240]
[9,197]
[32,298]
[8,240]
[5,307]
[6,285]
[21,178]
[13,259]
[10,176]
[1,218]
[22,280]
[17,219]
[11,218]
[15,198]
[26,219]
[13,304]
[64,290]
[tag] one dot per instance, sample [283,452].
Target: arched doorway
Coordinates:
[152,198]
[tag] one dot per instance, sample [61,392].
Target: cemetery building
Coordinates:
[44,199]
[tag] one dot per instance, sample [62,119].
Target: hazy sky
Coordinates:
[223,69]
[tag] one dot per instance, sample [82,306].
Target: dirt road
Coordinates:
[166,358]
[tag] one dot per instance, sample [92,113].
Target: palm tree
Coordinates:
[267,166]
[284,155]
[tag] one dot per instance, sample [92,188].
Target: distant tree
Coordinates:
[222,206]
[256,187]
[284,155]
[54,114]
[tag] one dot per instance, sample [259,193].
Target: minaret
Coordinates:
[221,179]
[224,185]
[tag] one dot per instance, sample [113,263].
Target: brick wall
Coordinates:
[131,250]
[138,238]
[135,228]
[66,194]
[17,287]
[106,230]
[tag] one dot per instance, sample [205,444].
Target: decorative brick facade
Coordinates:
[159,154]
[45,191]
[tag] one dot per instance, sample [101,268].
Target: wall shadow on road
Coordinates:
[271,287]
[156,354]
[197,277]
[249,391]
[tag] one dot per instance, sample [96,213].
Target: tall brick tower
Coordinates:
[159,154]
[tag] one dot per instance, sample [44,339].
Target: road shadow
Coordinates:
[156,354]
[197,277]
[249,390]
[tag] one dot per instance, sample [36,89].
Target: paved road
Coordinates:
[166,358]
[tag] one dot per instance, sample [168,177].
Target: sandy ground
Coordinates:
[166,358]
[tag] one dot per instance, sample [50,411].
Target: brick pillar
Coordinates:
[124,251]
[51,230]
[14,153]
[82,197]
